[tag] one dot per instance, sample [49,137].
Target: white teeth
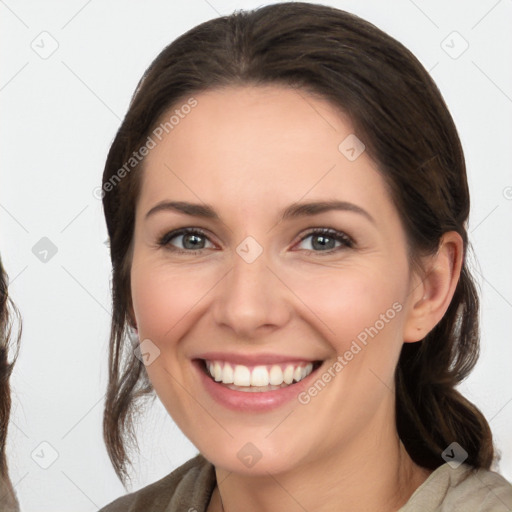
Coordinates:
[217,371]
[227,374]
[288,374]
[259,376]
[269,377]
[242,376]
[276,376]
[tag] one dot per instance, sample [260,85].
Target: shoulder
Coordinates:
[487,489]
[461,488]
[188,487]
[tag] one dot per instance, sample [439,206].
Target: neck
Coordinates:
[376,475]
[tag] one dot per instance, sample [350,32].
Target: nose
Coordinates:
[252,299]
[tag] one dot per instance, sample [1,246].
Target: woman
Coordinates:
[286,201]
[8,501]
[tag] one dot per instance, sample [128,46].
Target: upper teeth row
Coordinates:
[241,375]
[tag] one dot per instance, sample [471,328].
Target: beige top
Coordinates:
[189,488]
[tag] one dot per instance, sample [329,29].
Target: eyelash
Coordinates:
[338,236]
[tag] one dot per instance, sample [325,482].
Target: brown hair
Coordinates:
[8,312]
[399,113]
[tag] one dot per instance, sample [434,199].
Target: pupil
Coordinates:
[187,238]
[322,244]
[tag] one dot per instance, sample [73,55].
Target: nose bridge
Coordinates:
[251,296]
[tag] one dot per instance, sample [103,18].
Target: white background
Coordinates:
[59,116]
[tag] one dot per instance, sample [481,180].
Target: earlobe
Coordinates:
[431,297]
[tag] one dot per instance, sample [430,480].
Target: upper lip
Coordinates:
[253,359]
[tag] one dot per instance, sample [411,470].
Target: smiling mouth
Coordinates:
[259,378]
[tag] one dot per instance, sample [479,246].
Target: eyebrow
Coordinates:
[295,210]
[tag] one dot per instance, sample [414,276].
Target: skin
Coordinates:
[250,152]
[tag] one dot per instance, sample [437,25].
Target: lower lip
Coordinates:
[251,401]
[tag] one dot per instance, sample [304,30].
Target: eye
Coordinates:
[324,240]
[192,240]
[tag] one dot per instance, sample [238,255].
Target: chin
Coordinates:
[252,459]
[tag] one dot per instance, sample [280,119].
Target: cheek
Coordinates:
[352,302]
[163,296]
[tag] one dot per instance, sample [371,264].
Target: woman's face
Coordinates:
[259,297]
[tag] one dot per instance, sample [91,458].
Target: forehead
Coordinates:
[258,146]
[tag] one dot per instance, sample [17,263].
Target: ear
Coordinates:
[431,294]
